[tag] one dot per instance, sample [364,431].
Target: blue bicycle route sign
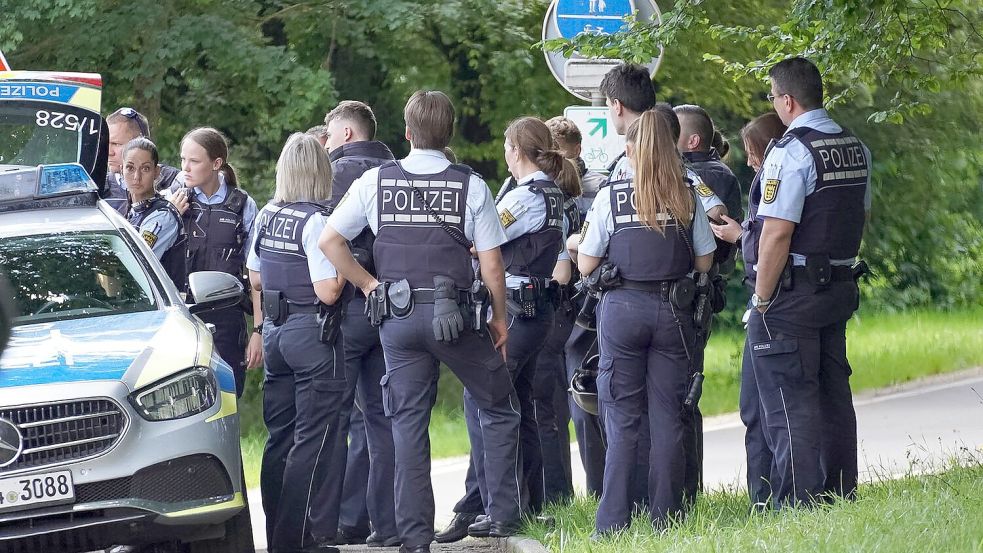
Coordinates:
[574,17]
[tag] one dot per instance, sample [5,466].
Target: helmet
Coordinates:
[583,385]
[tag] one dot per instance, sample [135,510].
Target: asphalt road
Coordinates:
[918,427]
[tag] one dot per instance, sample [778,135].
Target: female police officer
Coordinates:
[654,230]
[158,223]
[305,371]
[219,220]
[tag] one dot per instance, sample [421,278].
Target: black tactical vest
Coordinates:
[349,162]
[534,254]
[640,252]
[571,212]
[752,226]
[410,243]
[280,246]
[833,215]
[217,234]
[174,259]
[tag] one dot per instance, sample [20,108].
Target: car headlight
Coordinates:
[181,395]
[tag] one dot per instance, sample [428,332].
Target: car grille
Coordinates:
[56,433]
[191,478]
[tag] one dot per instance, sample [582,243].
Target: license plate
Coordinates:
[37,489]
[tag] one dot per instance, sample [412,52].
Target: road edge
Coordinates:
[523,544]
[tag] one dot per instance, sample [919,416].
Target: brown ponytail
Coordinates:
[659,184]
[535,142]
[568,180]
[216,146]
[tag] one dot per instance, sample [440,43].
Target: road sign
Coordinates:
[568,18]
[591,16]
[601,144]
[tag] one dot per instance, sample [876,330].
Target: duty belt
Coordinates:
[425,295]
[661,287]
[837,273]
[294,308]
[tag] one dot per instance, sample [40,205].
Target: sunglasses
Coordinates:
[134,116]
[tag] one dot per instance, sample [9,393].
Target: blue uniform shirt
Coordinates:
[794,168]
[318,265]
[527,213]
[160,230]
[600,226]
[359,207]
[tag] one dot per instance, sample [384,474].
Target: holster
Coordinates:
[330,317]
[478,309]
[786,280]
[274,306]
[702,308]
[377,305]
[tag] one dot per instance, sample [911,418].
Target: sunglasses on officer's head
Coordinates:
[134,116]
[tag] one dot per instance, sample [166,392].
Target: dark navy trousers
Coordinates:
[759,458]
[526,340]
[365,366]
[642,380]
[802,376]
[354,514]
[409,392]
[230,340]
[588,427]
[552,412]
[302,392]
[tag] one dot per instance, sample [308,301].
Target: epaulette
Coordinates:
[785,140]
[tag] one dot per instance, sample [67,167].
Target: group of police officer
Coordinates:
[370,275]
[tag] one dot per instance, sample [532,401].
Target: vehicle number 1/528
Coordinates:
[39,488]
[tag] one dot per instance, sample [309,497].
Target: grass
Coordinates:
[884,349]
[940,512]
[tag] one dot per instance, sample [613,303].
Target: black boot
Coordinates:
[457,530]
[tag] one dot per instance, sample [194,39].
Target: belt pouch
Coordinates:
[274,306]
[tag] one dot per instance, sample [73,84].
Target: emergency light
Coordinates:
[34,187]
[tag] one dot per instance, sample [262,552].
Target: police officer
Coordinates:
[219,221]
[570,140]
[350,141]
[756,135]
[655,232]
[124,125]
[532,214]
[802,241]
[426,215]
[302,343]
[157,221]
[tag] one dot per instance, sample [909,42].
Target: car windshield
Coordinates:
[73,275]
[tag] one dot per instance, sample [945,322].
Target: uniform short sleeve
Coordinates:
[487,233]
[521,211]
[350,217]
[318,265]
[704,193]
[598,227]
[703,241]
[253,263]
[787,177]
[160,231]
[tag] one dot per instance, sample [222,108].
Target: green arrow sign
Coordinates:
[601,124]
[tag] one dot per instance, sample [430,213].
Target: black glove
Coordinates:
[447,320]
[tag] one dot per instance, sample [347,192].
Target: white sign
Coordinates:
[568,18]
[601,143]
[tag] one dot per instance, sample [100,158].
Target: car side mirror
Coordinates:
[214,290]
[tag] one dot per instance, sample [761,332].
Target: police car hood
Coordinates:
[134,348]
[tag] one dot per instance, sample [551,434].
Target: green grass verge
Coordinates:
[942,512]
[884,349]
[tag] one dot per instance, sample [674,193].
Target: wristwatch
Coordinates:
[258,329]
[757,302]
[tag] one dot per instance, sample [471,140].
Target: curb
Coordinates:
[523,544]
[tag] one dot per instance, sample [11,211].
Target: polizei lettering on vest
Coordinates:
[400,203]
[841,153]
[284,227]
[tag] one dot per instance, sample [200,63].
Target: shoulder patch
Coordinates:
[703,190]
[149,237]
[506,218]
[770,191]
[583,232]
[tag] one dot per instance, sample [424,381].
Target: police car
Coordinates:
[118,420]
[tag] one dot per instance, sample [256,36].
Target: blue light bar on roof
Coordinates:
[62,178]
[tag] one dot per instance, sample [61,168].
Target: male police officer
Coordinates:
[569,140]
[349,137]
[425,213]
[805,232]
